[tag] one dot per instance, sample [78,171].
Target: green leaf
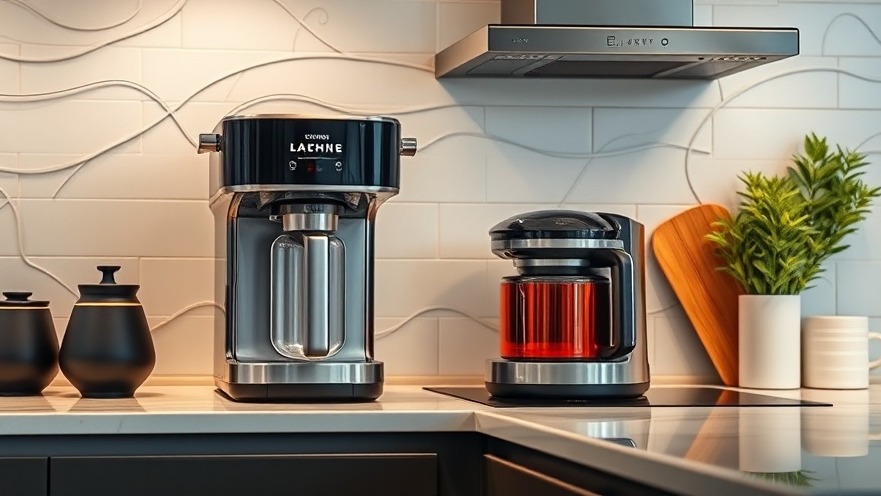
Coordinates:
[785,227]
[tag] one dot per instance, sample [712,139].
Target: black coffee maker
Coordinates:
[572,322]
[295,202]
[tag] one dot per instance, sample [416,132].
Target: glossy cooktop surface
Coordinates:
[656,397]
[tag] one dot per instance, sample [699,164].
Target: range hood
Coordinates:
[610,39]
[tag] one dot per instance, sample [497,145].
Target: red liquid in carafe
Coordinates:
[564,318]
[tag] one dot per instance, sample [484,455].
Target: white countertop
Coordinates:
[685,450]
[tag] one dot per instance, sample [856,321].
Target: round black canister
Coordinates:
[107,350]
[28,345]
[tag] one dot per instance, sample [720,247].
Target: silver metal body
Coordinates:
[338,320]
[610,39]
[624,376]
[294,201]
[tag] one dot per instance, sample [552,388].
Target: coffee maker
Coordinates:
[572,322]
[294,203]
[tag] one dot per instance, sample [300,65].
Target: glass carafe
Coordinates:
[307,295]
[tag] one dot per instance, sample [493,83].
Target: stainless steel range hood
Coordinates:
[610,39]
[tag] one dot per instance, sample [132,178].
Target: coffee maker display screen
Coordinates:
[311,151]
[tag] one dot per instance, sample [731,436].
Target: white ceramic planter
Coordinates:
[769,341]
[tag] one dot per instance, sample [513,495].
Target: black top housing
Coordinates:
[282,149]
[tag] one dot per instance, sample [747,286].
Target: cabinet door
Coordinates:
[24,476]
[221,475]
[504,478]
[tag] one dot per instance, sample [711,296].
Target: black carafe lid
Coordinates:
[107,291]
[556,224]
[555,235]
[20,299]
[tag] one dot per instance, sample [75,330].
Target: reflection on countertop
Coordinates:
[823,450]
[686,450]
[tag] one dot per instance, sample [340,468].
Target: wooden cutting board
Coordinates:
[709,296]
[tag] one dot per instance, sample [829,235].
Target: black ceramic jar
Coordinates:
[28,345]
[107,350]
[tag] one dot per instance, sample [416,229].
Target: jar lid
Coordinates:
[556,224]
[107,291]
[20,299]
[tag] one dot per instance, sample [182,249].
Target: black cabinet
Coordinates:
[504,478]
[514,470]
[23,476]
[338,464]
[314,475]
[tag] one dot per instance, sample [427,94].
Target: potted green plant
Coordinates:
[775,246]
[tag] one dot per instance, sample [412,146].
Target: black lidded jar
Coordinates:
[107,350]
[28,345]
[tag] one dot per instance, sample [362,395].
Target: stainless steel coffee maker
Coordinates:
[294,202]
[572,322]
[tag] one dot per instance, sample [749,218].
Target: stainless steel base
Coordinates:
[565,379]
[302,372]
[305,381]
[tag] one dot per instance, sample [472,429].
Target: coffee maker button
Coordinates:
[209,143]
[408,147]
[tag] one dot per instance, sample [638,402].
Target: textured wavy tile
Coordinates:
[169,284]
[465,346]
[407,230]
[821,30]
[620,128]
[858,284]
[855,92]
[74,126]
[117,228]
[407,286]
[412,349]
[774,134]
[183,347]
[108,64]
[159,176]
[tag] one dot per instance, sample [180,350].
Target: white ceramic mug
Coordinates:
[835,352]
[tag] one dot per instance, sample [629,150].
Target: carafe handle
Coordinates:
[624,308]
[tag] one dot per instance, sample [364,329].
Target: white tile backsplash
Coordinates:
[410,350]
[788,83]
[489,149]
[183,346]
[406,230]
[10,74]
[819,299]
[859,287]
[773,134]
[465,345]
[193,284]
[404,287]
[67,126]
[677,348]
[102,177]
[110,64]
[858,86]
[564,130]
[117,228]
[265,25]
[618,129]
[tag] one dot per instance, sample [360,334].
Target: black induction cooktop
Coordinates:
[656,397]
